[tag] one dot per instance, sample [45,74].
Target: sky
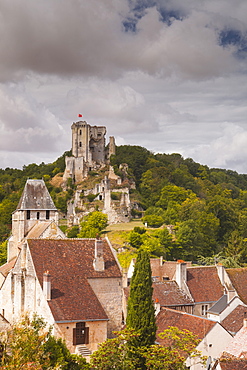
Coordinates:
[168,75]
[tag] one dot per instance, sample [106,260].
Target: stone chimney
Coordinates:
[181,273]
[47,285]
[221,273]
[98,263]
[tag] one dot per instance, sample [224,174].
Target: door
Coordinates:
[80,334]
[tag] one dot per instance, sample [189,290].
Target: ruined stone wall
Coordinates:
[109,293]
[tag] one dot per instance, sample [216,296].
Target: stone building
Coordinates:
[74,284]
[88,150]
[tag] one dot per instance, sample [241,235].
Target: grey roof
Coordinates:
[36,196]
[219,306]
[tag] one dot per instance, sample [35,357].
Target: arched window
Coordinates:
[80,144]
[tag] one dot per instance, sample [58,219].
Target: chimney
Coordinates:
[221,273]
[98,263]
[181,273]
[47,285]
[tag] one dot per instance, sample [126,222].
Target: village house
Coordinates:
[213,337]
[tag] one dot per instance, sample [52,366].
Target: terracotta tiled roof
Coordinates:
[168,293]
[197,325]
[204,283]
[238,346]
[238,277]
[70,264]
[36,196]
[162,268]
[4,269]
[233,365]
[234,321]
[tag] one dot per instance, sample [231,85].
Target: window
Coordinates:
[80,132]
[80,334]
[47,215]
[37,215]
[80,144]
[204,309]
[28,214]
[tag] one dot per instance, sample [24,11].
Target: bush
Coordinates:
[153,220]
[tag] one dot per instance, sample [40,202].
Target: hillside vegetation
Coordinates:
[206,206]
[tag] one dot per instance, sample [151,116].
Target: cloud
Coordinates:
[89,38]
[164,74]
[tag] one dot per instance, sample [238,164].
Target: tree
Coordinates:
[140,314]
[177,346]
[116,353]
[92,225]
[28,344]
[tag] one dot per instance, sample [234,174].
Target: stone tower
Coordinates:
[88,150]
[35,207]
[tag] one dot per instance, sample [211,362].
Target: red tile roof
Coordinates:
[70,264]
[4,269]
[233,364]
[204,283]
[234,321]
[168,293]
[238,346]
[197,325]
[162,269]
[238,277]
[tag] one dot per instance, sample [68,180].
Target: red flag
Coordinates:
[79,115]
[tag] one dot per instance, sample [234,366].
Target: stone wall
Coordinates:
[109,292]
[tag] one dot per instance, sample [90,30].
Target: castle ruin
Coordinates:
[88,151]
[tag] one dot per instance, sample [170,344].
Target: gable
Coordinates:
[238,278]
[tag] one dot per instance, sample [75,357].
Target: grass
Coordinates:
[124,226]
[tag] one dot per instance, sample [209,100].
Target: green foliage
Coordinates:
[3,252]
[115,195]
[119,353]
[93,225]
[153,220]
[140,316]
[135,239]
[116,353]
[73,232]
[91,197]
[29,344]
[178,346]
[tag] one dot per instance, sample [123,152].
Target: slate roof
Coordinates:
[70,265]
[219,306]
[238,277]
[35,196]
[168,293]
[234,321]
[204,283]
[196,324]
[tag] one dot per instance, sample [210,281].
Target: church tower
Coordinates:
[35,207]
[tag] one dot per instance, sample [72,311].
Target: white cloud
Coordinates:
[168,88]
